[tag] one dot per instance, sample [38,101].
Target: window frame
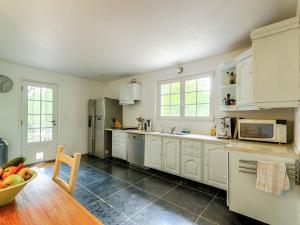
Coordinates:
[182,80]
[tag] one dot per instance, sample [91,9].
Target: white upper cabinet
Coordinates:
[129,93]
[171,150]
[276,64]
[153,152]
[244,74]
[216,165]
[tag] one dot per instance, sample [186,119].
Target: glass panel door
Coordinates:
[39,121]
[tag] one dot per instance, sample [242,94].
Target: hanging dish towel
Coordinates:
[272,177]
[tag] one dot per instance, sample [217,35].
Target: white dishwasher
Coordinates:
[135,149]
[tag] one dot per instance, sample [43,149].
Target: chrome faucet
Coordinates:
[172,129]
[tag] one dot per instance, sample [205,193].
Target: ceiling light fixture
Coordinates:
[179,69]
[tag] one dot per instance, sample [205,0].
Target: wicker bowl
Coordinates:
[7,195]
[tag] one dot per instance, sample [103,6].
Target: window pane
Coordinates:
[165,100]
[47,94]
[46,134]
[203,84]
[33,107]
[33,135]
[46,107]
[34,121]
[46,121]
[190,110]
[203,110]
[175,99]
[203,97]
[175,88]
[175,110]
[165,110]
[190,85]
[191,98]
[34,93]
[165,89]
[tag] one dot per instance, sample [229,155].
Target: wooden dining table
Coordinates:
[43,202]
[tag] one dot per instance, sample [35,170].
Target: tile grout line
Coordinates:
[172,203]
[133,185]
[153,175]
[195,189]
[130,185]
[159,198]
[200,215]
[150,175]
[100,199]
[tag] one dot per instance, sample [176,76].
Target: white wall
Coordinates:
[297,130]
[73,95]
[146,108]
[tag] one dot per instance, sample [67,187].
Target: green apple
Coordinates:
[12,180]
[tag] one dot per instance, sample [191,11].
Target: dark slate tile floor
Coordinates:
[117,193]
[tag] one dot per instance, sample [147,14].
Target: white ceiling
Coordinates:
[108,39]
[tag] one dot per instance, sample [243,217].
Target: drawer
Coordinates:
[191,144]
[118,133]
[193,152]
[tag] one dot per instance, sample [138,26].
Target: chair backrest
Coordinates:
[73,162]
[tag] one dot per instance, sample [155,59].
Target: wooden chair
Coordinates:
[73,162]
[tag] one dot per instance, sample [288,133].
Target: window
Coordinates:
[186,97]
[197,97]
[170,99]
[40,114]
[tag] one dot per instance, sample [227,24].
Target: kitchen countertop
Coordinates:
[280,150]
[197,137]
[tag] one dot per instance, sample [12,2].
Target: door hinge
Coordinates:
[21,122]
[21,88]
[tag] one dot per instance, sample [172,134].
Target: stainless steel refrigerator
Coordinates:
[100,115]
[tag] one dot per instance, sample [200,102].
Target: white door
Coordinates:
[245,82]
[39,121]
[171,149]
[191,167]
[216,165]
[276,68]
[153,152]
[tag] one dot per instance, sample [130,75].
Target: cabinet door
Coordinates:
[245,83]
[191,168]
[153,152]
[171,149]
[119,151]
[245,199]
[126,93]
[276,69]
[119,144]
[216,165]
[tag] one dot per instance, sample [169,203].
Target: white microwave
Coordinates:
[263,130]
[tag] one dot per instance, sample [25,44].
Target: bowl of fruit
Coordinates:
[13,178]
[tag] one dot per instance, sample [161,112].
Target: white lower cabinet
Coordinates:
[215,165]
[245,199]
[191,168]
[153,152]
[171,150]
[119,144]
[191,159]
